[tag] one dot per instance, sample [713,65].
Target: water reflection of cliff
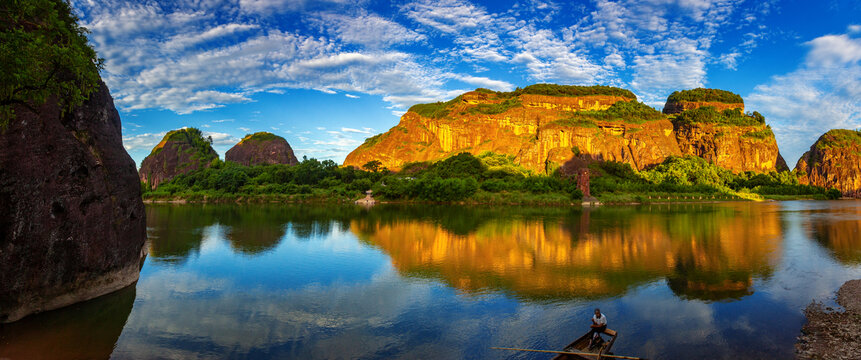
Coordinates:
[839,230]
[709,252]
[87,330]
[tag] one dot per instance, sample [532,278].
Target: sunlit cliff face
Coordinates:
[709,254]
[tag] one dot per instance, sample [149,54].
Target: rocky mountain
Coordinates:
[550,126]
[834,161]
[261,148]
[711,124]
[721,100]
[179,152]
[544,126]
[72,223]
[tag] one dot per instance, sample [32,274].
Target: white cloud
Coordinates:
[244,129]
[351,96]
[822,94]
[484,82]
[219,139]
[366,131]
[448,16]
[142,141]
[368,29]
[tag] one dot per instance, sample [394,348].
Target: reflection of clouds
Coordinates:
[186,310]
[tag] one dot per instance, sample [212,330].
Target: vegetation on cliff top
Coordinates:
[708,95]
[43,52]
[439,110]
[709,115]
[260,137]
[569,91]
[202,147]
[839,138]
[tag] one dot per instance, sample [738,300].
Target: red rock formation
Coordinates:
[737,148]
[261,148]
[179,152]
[675,107]
[834,161]
[72,223]
[537,129]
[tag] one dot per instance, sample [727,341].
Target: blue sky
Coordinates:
[327,74]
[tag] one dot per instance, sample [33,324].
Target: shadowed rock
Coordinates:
[72,223]
[179,152]
[262,148]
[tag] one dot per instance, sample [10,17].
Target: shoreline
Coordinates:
[287,199]
[830,333]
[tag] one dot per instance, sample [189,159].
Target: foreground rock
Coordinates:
[543,126]
[830,334]
[179,152]
[72,224]
[834,161]
[261,148]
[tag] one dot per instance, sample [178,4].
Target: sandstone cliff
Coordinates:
[179,152]
[834,161]
[710,123]
[544,126]
[261,148]
[72,223]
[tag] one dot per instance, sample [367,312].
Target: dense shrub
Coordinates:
[703,94]
[708,114]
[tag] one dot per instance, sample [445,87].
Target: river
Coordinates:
[726,280]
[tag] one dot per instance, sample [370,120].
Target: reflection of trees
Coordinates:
[176,231]
[707,252]
[87,330]
[252,229]
[840,232]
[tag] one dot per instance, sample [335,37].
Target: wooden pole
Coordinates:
[571,353]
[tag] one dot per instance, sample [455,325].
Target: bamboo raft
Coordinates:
[579,349]
[581,345]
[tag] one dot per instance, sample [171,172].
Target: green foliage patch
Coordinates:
[839,138]
[44,52]
[437,110]
[709,115]
[703,94]
[261,137]
[569,91]
[492,109]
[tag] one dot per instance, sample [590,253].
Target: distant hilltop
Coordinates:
[548,127]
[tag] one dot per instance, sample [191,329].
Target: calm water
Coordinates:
[705,280]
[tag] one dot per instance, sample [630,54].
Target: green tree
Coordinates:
[43,52]
[373,165]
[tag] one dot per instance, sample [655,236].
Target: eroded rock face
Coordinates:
[834,161]
[260,149]
[737,148]
[72,223]
[675,107]
[535,131]
[179,152]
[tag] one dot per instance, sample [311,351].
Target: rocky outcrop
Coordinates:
[261,148]
[72,223]
[675,107]
[710,123]
[834,161]
[543,132]
[179,152]
[680,101]
[737,148]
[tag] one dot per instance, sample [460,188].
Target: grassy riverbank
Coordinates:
[484,179]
